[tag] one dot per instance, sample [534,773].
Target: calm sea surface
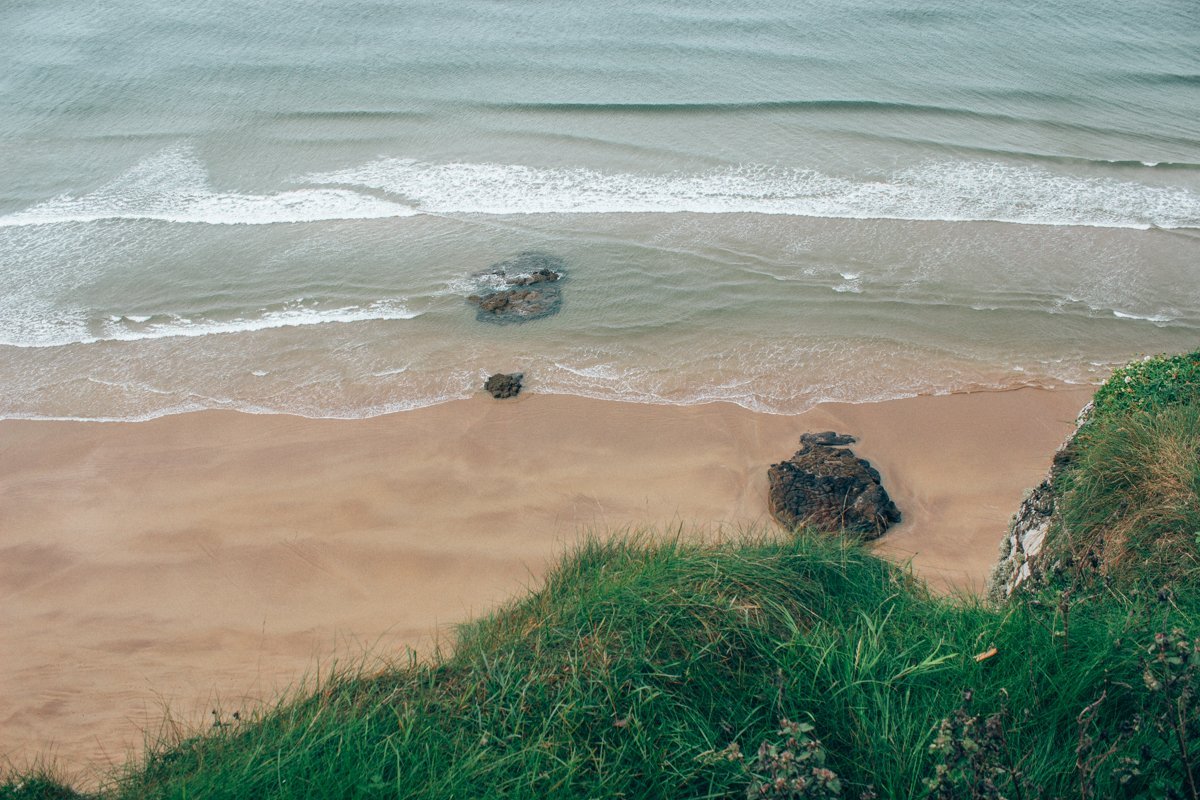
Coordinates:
[280,206]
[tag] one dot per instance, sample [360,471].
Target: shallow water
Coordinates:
[281,208]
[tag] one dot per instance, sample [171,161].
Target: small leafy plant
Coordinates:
[973,759]
[1149,384]
[1172,674]
[792,768]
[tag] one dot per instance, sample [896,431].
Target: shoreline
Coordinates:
[531,389]
[221,554]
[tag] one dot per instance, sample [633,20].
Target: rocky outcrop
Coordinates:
[503,385]
[522,288]
[827,487]
[1021,550]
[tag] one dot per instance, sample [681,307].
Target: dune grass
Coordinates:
[1132,506]
[1130,496]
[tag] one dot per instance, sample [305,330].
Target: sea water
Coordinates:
[281,206]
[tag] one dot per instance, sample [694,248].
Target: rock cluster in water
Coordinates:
[827,487]
[503,385]
[529,289]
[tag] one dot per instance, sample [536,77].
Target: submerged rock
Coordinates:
[524,287]
[827,438]
[829,488]
[502,385]
[517,305]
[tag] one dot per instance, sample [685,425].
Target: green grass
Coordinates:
[1149,384]
[1132,509]
[1130,497]
[37,783]
[641,661]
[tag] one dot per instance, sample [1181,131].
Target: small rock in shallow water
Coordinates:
[502,385]
[540,276]
[829,488]
[827,438]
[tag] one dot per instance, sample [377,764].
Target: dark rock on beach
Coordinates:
[525,287]
[826,486]
[502,385]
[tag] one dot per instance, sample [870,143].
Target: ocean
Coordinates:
[282,206]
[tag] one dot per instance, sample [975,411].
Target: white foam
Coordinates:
[935,190]
[472,284]
[852,282]
[1157,319]
[173,326]
[173,186]
[597,371]
[388,373]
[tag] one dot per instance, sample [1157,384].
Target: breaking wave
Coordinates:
[947,191]
[173,186]
[141,327]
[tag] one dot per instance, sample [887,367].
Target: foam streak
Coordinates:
[946,191]
[173,187]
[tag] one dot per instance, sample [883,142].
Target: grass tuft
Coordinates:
[37,782]
[1132,508]
[1129,497]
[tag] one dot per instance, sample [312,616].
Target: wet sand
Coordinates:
[214,558]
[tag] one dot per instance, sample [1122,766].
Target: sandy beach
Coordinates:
[211,559]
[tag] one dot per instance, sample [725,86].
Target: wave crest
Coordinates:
[173,186]
[958,191]
[141,327]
